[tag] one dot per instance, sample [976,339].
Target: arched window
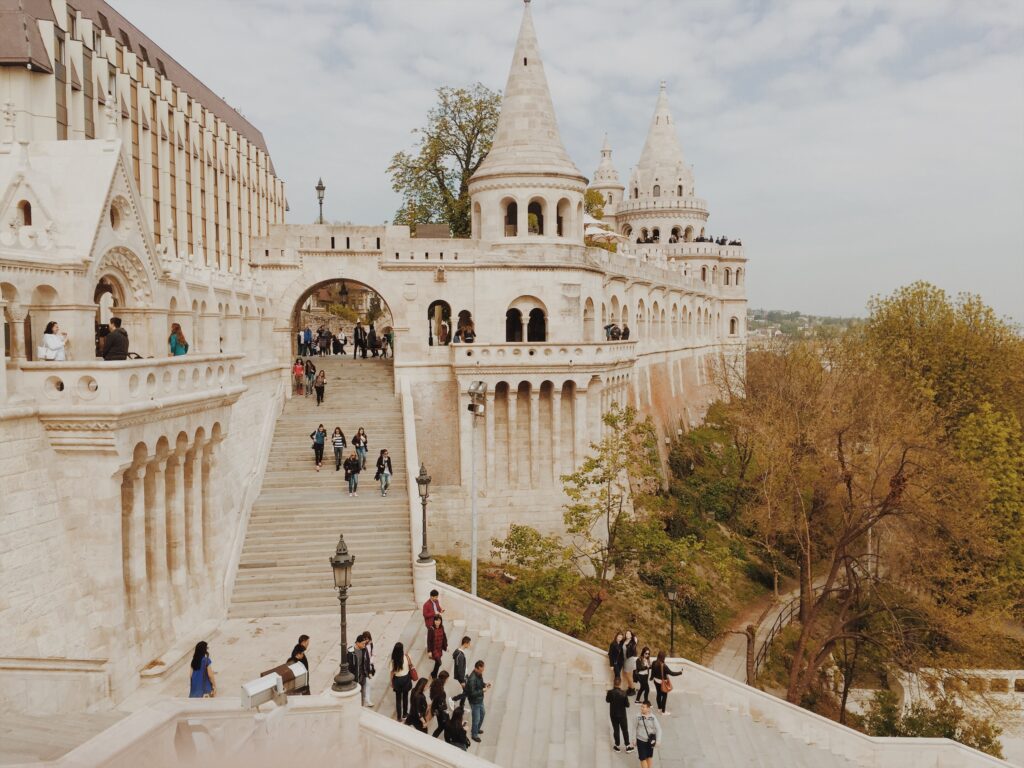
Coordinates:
[656,235]
[589,322]
[734,326]
[636,193]
[739,276]
[644,237]
[611,198]
[657,190]
[513,325]
[688,235]
[714,275]
[679,190]
[439,323]
[564,217]
[535,217]
[727,276]
[511,217]
[536,326]
[703,274]
[627,230]
[476,219]
[465,330]
[674,237]
[25,213]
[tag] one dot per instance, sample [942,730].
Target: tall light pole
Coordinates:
[423,486]
[477,395]
[672,595]
[341,565]
[320,198]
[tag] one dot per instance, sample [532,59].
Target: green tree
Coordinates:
[375,309]
[593,203]
[433,180]
[343,311]
[944,718]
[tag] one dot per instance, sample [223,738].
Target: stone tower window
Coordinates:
[25,213]
[657,190]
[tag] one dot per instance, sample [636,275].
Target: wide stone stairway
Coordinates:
[295,522]
[540,713]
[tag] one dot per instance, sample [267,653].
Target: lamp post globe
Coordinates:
[341,566]
[672,595]
[320,189]
[423,486]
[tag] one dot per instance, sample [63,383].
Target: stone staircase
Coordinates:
[294,526]
[543,713]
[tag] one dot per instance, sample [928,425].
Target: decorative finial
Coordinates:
[664,85]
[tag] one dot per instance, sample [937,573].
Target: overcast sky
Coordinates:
[854,146]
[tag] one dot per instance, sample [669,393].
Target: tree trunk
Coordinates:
[595,603]
[806,586]
[751,633]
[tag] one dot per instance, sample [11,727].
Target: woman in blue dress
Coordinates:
[202,683]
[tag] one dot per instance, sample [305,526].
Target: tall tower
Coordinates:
[527,189]
[662,204]
[606,180]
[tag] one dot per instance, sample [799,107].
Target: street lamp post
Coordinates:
[672,595]
[423,485]
[320,198]
[477,394]
[341,565]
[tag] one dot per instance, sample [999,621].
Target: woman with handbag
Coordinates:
[201,683]
[648,734]
[318,384]
[662,676]
[402,672]
[361,443]
[310,375]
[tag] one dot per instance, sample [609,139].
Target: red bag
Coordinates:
[413,674]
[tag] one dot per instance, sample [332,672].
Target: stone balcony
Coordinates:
[540,356]
[86,406]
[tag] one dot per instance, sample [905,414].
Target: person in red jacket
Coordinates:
[437,644]
[431,608]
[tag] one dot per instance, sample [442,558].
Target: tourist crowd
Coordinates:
[365,340]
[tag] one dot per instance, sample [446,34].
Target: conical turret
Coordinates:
[661,150]
[606,179]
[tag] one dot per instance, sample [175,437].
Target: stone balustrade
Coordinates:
[543,354]
[666,203]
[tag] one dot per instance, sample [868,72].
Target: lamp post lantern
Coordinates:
[477,395]
[320,198]
[672,595]
[341,565]
[423,486]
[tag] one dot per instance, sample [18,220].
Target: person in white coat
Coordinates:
[54,343]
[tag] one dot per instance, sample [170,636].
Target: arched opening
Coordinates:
[636,192]
[510,215]
[25,213]
[564,216]
[679,190]
[476,219]
[727,277]
[655,321]
[536,326]
[739,276]
[578,223]
[675,235]
[734,326]
[627,231]
[657,190]
[465,328]
[513,325]
[535,216]
[109,297]
[341,308]
[589,323]
[439,323]
[714,275]
[641,320]
[656,235]
[703,274]
[644,236]
[688,235]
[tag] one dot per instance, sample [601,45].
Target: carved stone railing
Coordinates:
[542,354]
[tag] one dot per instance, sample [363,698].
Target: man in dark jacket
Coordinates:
[475,687]
[625,332]
[115,346]
[459,661]
[618,703]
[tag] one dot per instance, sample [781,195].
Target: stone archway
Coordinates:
[338,305]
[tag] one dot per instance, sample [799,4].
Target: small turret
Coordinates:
[606,179]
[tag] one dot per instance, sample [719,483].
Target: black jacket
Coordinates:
[115,347]
[615,657]
[459,657]
[455,732]
[618,701]
[382,462]
[351,466]
[417,709]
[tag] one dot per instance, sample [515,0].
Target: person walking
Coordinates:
[459,665]
[372,341]
[475,689]
[310,376]
[54,345]
[307,341]
[202,684]
[401,680]
[319,437]
[642,675]
[662,676]
[176,341]
[298,375]
[339,445]
[615,658]
[299,345]
[418,707]
[455,731]
[115,347]
[439,704]
[629,662]
[319,383]
[342,340]
[384,471]
[359,663]
[358,341]
[648,735]
[361,443]
[437,643]
[371,664]
[352,467]
[618,703]
[432,608]
[325,342]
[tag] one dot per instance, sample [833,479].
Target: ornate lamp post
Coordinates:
[672,595]
[341,564]
[320,197]
[423,486]
[477,406]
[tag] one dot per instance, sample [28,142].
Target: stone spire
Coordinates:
[527,140]
[662,152]
[606,172]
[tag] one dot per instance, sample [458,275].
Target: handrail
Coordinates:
[781,622]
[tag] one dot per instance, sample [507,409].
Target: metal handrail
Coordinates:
[780,623]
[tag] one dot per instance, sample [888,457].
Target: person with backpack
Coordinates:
[401,673]
[384,471]
[319,437]
[439,703]
[618,702]
[648,734]
[661,677]
[437,644]
[352,467]
[319,383]
[339,444]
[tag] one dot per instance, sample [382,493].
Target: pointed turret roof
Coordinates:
[661,150]
[606,171]
[527,138]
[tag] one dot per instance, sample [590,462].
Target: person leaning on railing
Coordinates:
[115,346]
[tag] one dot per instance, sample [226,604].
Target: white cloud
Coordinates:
[854,144]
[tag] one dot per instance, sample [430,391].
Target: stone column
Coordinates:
[176,531]
[135,549]
[266,349]
[522,222]
[211,333]
[489,436]
[19,351]
[513,437]
[194,514]
[580,435]
[535,471]
[233,334]
[556,434]
[209,553]
[159,324]
[156,540]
